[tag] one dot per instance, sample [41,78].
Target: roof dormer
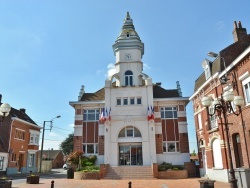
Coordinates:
[206,65]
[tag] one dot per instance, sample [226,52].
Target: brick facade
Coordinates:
[101,145]
[237,125]
[158,141]
[77,143]
[184,145]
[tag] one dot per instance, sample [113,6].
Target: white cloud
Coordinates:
[53,134]
[146,67]
[71,125]
[111,70]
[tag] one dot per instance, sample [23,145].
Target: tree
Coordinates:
[67,145]
[193,154]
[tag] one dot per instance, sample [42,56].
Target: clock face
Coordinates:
[128,56]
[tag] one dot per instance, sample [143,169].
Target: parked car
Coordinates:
[65,166]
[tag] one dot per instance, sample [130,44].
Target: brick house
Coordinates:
[19,143]
[132,121]
[210,130]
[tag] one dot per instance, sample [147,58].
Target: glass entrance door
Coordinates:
[130,154]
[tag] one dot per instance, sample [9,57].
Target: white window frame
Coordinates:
[1,162]
[172,109]
[34,137]
[245,79]
[167,144]
[199,121]
[246,93]
[128,79]
[32,159]
[85,148]
[87,112]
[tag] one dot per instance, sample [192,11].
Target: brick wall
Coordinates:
[101,145]
[20,147]
[184,145]
[77,143]
[158,141]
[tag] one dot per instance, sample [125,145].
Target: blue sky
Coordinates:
[49,48]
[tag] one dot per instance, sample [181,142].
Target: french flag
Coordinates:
[102,118]
[152,113]
[109,114]
[149,114]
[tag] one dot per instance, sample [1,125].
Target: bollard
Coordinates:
[130,184]
[52,184]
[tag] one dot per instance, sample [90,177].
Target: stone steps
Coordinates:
[129,172]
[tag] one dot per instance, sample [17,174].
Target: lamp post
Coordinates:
[222,106]
[41,153]
[4,111]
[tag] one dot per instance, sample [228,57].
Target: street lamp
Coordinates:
[223,105]
[41,153]
[4,111]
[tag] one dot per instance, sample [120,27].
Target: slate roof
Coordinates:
[158,92]
[21,115]
[230,53]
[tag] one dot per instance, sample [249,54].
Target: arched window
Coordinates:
[128,78]
[237,150]
[217,153]
[129,131]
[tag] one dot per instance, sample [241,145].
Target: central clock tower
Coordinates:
[128,50]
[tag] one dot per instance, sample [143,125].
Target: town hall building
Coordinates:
[131,120]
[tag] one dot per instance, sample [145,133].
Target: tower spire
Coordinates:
[128,37]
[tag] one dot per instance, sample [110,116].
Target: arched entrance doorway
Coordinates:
[130,146]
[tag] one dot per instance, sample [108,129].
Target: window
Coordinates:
[245,78]
[129,132]
[168,113]
[118,101]
[90,148]
[128,78]
[170,146]
[128,101]
[31,160]
[13,157]
[19,134]
[125,101]
[91,115]
[1,162]
[132,101]
[199,121]
[34,137]
[138,100]
[213,119]
[247,92]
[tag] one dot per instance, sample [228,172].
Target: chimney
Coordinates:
[239,33]
[23,110]
[0,98]
[81,93]
[179,89]
[158,83]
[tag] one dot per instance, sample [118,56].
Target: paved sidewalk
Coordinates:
[155,183]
